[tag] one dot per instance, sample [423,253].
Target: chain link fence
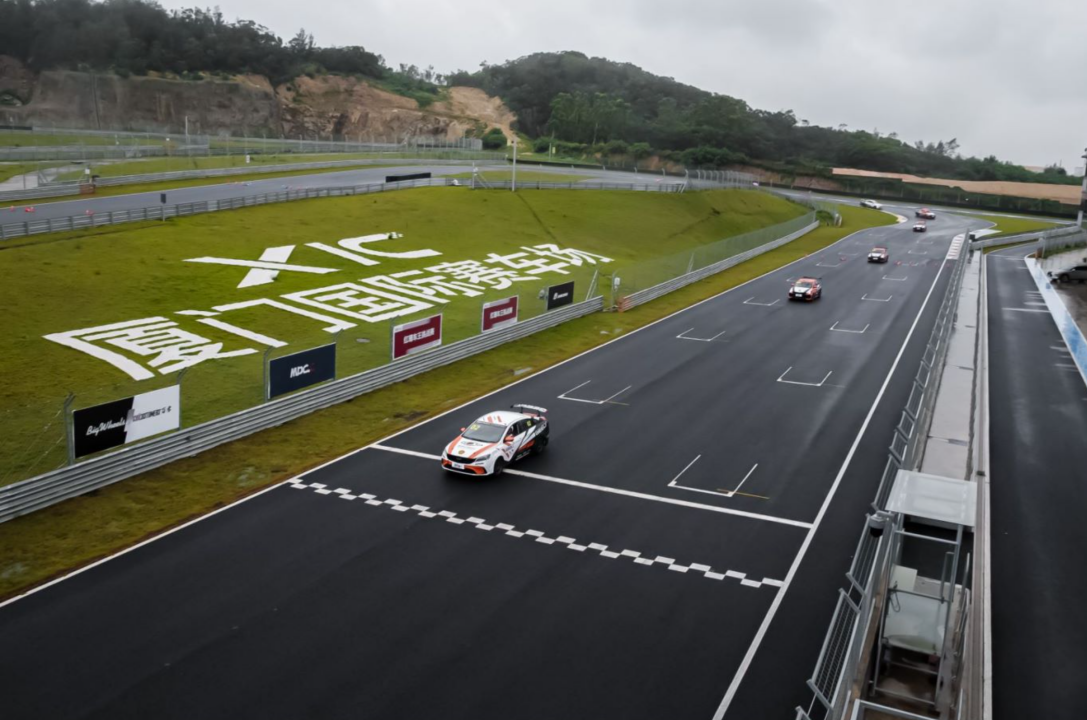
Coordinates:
[641,276]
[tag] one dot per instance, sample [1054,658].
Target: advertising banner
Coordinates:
[111,424]
[411,176]
[416,336]
[499,314]
[301,369]
[559,295]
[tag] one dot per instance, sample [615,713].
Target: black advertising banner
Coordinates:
[412,176]
[300,370]
[111,424]
[559,295]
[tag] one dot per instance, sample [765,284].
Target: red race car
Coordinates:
[806,288]
[925,214]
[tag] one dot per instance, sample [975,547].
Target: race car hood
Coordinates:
[798,289]
[469,448]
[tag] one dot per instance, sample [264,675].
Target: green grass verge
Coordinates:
[1012,225]
[50,542]
[522,176]
[129,272]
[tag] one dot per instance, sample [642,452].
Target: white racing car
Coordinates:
[871,204]
[495,440]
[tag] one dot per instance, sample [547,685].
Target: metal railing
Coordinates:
[587,185]
[831,682]
[161,212]
[1046,238]
[53,487]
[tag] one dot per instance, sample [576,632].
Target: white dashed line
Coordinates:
[540,537]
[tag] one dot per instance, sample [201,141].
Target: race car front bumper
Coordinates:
[471,467]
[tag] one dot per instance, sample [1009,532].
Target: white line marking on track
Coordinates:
[1034,310]
[562,541]
[749,656]
[894,279]
[797,382]
[614,491]
[748,302]
[720,493]
[835,328]
[591,402]
[886,299]
[683,336]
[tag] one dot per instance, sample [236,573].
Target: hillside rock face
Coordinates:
[247,104]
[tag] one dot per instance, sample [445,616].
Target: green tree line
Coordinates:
[599,106]
[132,36]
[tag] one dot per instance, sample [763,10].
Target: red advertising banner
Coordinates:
[499,313]
[415,336]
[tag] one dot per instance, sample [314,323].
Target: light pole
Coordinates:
[513,184]
[1083,192]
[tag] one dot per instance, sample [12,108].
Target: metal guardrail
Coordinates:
[644,296]
[59,189]
[288,167]
[1041,235]
[53,487]
[539,185]
[160,212]
[42,191]
[845,641]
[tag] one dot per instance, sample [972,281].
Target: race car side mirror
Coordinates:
[509,439]
[462,429]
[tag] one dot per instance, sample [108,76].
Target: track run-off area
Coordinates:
[674,554]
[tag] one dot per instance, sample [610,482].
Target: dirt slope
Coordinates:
[305,107]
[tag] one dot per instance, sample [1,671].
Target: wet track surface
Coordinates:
[1038,430]
[676,551]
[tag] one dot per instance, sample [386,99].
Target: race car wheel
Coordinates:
[499,467]
[1064,278]
[540,446]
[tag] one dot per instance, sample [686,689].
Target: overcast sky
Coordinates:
[1005,77]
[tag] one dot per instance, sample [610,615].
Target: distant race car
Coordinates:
[871,204]
[498,438]
[878,255]
[925,214]
[920,226]
[807,289]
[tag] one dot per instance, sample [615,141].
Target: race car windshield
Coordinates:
[484,432]
[804,285]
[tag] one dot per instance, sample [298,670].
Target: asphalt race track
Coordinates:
[1038,426]
[45,211]
[675,553]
